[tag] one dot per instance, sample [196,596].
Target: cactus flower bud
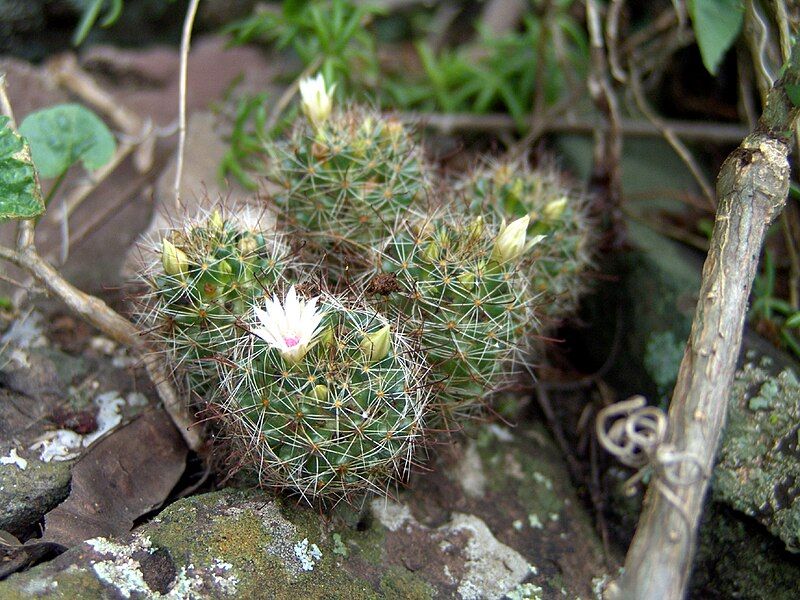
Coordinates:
[376,345]
[173,259]
[317,100]
[553,210]
[476,228]
[215,222]
[510,242]
[327,338]
[320,393]
[247,245]
[431,251]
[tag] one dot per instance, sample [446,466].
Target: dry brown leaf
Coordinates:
[122,477]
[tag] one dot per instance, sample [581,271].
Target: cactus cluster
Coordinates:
[342,416]
[558,265]
[404,303]
[211,269]
[345,180]
[456,282]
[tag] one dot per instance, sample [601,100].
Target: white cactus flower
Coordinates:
[291,327]
[317,100]
[511,243]
[511,240]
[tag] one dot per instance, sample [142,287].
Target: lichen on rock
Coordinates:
[758,472]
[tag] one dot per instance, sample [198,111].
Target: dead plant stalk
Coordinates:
[751,190]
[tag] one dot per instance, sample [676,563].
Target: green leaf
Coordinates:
[20,195]
[793,92]
[64,134]
[717,24]
[793,321]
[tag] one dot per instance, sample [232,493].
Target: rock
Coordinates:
[25,496]
[49,397]
[737,558]
[758,468]
[526,536]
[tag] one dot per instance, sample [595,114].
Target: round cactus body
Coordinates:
[348,178]
[468,306]
[345,415]
[558,263]
[209,272]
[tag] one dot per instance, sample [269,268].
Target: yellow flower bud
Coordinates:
[553,210]
[376,345]
[320,393]
[476,228]
[511,241]
[174,260]
[247,244]
[517,189]
[215,222]
[327,338]
[431,252]
[316,99]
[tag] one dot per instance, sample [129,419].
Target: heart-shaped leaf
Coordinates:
[64,134]
[20,195]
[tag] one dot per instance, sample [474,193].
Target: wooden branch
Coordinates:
[752,188]
[720,133]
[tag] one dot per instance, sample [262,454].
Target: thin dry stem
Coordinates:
[680,149]
[186,38]
[752,188]
[606,177]
[723,133]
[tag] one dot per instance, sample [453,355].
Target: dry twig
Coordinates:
[722,133]
[680,149]
[96,312]
[751,190]
[606,178]
[186,39]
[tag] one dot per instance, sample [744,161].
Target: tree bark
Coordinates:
[751,190]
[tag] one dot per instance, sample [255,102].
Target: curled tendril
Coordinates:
[635,434]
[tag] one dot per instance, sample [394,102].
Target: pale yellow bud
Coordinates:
[327,337]
[502,175]
[394,129]
[511,241]
[320,393]
[367,125]
[553,210]
[174,260]
[517,189]
[376,345]
[247,245]
[215,222]
[476,228]
[431,252]
[316,99]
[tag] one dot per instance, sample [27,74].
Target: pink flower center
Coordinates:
[291,342]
